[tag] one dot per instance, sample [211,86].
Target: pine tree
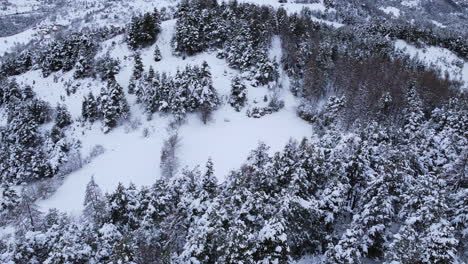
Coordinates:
[413,113]
[89,108]
[29,213]
[94,203]
[157,54]
[62,116]
[123,205]
[188,37]
[238,96]
[178,97]
[84,64]
[143,30]
[114,105]
[138,68]
[206,94]
[273,242]
[209,181]
[240,48]
[10,199]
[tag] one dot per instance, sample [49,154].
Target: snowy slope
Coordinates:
[438,58]
[129,157]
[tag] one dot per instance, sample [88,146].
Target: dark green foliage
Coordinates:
[113,105]
[62,116]
[143,30]
[89,109]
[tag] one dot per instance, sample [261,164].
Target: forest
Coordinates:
[382,178]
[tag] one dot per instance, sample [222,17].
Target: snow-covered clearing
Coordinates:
[7,44]
[439,58]
[411,3]
[19,6]
[129,157]
[390,10]
[290,6]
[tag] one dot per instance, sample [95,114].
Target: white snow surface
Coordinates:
[390,10]
[129,157]
[7,44]
[411,3]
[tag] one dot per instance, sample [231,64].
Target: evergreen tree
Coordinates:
[206,94]
[123,205]
[157,54]
[89,108]
[62,116]
[138,68]
[143,30]
[113,105]
[238,96]
[94,203]
[209,181]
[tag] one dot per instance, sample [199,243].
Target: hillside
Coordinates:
[204,131]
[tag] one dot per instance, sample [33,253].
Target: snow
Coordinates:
[20,7]
[390,10]
[7,44]
[438,24]
[292,7]
[410,3]
[439,58]
[129,157]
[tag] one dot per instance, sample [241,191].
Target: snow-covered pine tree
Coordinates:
[89,108]
[62,116]
[138,71]
[143,30]
[114,106]
[414,116]
[209,182]
[238,96]
[273,242]
[94,203]
[205,93]
[10,200]
[188,37]
[179,95]
[123,205]
[157,54]
[240,48]
[84,64]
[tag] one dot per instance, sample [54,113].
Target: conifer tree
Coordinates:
[113,106]
[62,116]
[94,203]
[206,94]
[238,96]
[157,54]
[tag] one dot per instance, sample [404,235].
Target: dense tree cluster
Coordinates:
[143,30]
[383,179]
[71,50]
[110,106]
[27,153]
[381,193]
[189,90]
[243,31]
[361,66]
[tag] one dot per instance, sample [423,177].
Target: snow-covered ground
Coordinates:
[438,58]
[411,3]
[19,7]
[129,157]
[7,44]
[390,10]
